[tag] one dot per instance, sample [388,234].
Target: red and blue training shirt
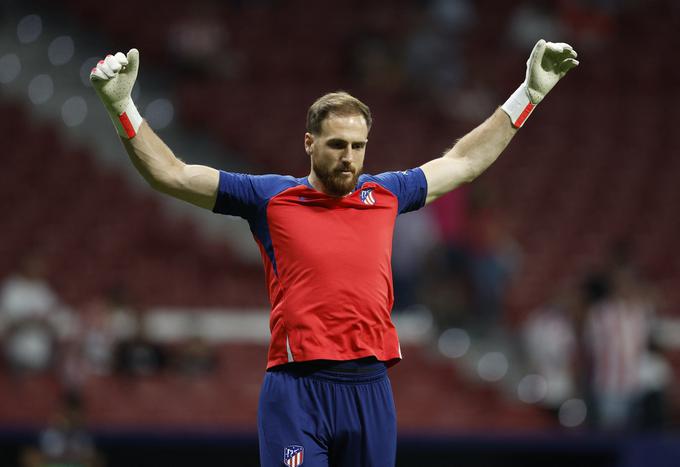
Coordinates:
[327,260]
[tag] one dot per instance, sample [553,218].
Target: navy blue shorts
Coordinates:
[327,414]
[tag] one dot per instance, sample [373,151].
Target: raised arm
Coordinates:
[195,184]
[477,150]
[113,79]
[469,157]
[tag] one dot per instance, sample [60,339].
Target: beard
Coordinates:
[334,180]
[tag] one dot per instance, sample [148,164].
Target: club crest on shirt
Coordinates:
[293,455]
[367,196]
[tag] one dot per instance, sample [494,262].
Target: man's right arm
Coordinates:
[153,159]
[113,79]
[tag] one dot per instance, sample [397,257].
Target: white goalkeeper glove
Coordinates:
[113,79]
[547,64]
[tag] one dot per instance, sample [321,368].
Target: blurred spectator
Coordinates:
[550,345]
[98,336]
[533,20]
[450,215]
[445,291]
[90,349]
[30,317]
[469,103]
[376,64]
[591,23]
[433,58]
[445,279]
[452,16]
[138,355]
[29,345]
[495,257]
[26,293]
[198,41]
[195,358]
[469,269]
[66,442]
[652,408]
[617,332]
[414,238]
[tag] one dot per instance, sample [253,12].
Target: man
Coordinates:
[326,243]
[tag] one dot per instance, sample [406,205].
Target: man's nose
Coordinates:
[347,154]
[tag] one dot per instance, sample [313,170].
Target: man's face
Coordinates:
[337,153]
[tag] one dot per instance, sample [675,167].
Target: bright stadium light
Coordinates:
[40,89]
[159,113]
[454,343]
[60,51]
[572,413]
[10,67]
[532,389]
[492,366]
[74,111]
[29,29]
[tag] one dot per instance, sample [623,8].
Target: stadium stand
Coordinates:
[575,209]
[91,227]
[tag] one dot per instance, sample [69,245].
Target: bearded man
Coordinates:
[326,242]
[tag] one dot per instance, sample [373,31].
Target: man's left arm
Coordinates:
[477,150]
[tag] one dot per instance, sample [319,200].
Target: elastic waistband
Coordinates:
[362,370]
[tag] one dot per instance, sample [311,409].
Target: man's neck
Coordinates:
[315,182]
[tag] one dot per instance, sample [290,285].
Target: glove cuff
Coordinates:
[519,106]
[128,121]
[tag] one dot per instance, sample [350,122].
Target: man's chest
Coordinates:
[307,226]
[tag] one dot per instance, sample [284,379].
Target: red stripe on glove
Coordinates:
[524,115]
[127,125]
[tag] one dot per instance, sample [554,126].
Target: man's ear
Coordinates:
[309,141]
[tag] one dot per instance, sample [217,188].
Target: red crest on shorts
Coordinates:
[293,455]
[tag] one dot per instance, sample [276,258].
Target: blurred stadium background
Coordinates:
[538,307]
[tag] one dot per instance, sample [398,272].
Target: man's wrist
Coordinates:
[519,106]
[128,120]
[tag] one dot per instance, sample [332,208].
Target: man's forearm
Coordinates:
[469,157]
[482,146]
[195,184]
[152,158]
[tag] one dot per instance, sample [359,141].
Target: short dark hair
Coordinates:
[335,103]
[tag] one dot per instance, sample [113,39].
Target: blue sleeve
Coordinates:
[409,186]
[243,195]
